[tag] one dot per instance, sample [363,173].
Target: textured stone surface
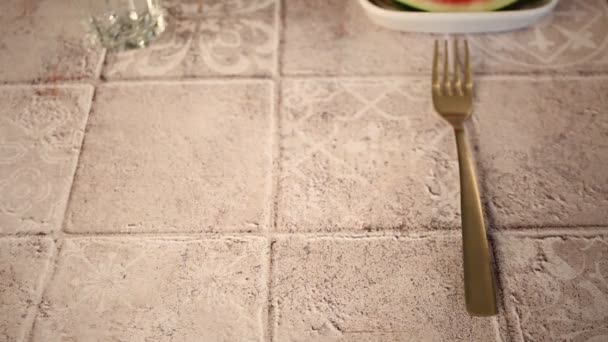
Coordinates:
[226,38]
[545,158]
[174,157]
[361,154]
[346,42]
[573,38]
[371,290]
[156,290]
[555,288]
[24,263]
[41,131]
[216,8]
[45,40]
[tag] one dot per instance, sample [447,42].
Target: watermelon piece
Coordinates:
[457,5]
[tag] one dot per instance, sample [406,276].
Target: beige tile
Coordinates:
[344,41]
[41,131]
[156,290]
[336,38]
[555,288]
[197,47]
[543,145]
[573,38]
[371,290]
[175,157]
[45,41]
[212,8]
[365,154]
[24,263]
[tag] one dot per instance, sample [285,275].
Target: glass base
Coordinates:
[129,30]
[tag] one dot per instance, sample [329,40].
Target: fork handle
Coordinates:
[480,294]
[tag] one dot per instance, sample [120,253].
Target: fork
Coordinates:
[453,100]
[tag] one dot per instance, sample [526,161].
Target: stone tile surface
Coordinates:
[371,290]
[345,42]
[572,39]
[226,38]
[174,157]
[41,130]
[24,263]
[364,155]
[545,158]
[156,290]
[45,41]
[216,8]
[555,288]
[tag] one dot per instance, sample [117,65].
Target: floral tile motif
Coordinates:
[364,155]
[45,41]
[544,158]
[371,290]
[210,46]
[214,8]
[556,288]
[574,37]
[41,130]
[187,157]
[156,290]
[24,262]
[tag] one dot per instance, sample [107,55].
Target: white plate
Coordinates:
[457,22]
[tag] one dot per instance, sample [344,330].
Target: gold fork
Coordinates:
[453,100]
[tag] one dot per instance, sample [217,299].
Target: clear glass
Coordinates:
[126,24]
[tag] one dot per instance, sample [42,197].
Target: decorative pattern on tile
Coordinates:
[156,289]
[41,130]
[23,265]
[187,157]
[360,154]
[45,41]
[211,8]
[217,45]
[575,37]
[371,290]
[545,157]
[556,288]
[345,42]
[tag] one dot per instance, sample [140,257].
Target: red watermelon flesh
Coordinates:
[458,5]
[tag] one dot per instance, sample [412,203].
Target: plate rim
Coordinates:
[370,6]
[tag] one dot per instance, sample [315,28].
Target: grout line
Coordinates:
[275,172]
[554,232]
[424,75]
[102,62]
[579,231]
[280,48]
[252,78]
[270,308]
[496,326]
[187,81]
[32,312]
[517,325]
[276,72]
[278,155]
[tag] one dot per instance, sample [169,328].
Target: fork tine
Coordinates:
[436,85]
[457,79]
[447,87]
[468,80]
